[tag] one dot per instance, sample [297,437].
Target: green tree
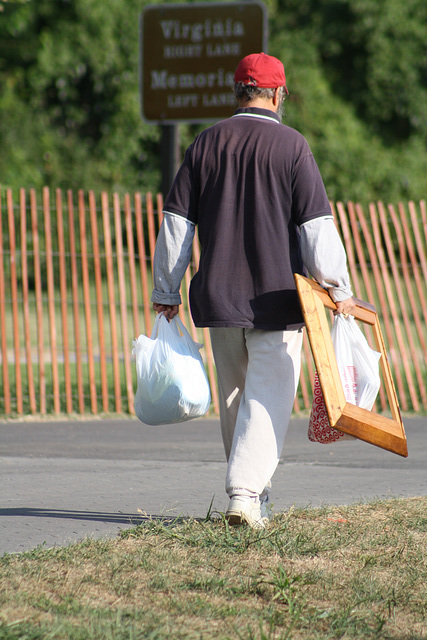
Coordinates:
[70,106]
[70,77]
[358,79]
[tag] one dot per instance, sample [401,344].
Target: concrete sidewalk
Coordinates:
[63,481]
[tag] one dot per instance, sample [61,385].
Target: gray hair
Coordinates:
[249,92]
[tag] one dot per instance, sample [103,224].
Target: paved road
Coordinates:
[64,481]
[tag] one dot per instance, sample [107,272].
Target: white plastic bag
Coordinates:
[358,366]
[172,383]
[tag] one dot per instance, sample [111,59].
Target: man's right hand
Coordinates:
[169,310]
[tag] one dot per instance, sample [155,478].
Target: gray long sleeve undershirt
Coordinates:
[322,252]
[171,258]
[324,257]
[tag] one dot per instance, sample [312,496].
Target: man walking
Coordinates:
[253,188]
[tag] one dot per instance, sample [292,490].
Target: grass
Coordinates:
[335,572]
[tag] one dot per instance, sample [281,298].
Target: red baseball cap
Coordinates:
[261,70]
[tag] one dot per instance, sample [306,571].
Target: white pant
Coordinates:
[258,375]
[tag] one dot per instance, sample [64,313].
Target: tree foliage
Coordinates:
[69,96]
[358,79]
[69,80]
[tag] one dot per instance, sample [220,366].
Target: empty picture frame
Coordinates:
[387,433]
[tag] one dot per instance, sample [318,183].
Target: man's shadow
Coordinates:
[131,519]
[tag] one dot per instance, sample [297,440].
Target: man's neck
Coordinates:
[258,103]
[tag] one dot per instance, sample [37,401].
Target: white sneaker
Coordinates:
[242,510]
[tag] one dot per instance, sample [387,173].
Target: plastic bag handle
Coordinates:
[179,326]
[172,325]
[176,325]
[155,331]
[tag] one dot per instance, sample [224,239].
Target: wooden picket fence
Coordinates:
[75,286]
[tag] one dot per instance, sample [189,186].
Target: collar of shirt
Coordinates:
[255,112]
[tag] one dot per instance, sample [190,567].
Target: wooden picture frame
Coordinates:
[379,430]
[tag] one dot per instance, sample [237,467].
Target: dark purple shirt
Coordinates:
[248,182]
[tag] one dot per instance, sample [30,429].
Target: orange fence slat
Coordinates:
[211,369]
[181,314]
[348,244]
[413,302]
[76,305]
[405,307]
[131,263]
[304,389]
[26,303]
[310,370]
[123,301]
[159,199]
[424,218]
[362,265]
[142,263]
[380,299]
[408,354]
[51,301]
[63,291]
[87,301]
[389,305]
[413,259]
[187,281]
[3,332]
[360,253]
[418,239]
[351,237]
[111,300]
[39,302]
[14,292]
[151,225]
[99,300]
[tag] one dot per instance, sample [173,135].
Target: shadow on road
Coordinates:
[95,516]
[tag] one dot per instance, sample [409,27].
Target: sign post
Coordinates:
[188,55]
